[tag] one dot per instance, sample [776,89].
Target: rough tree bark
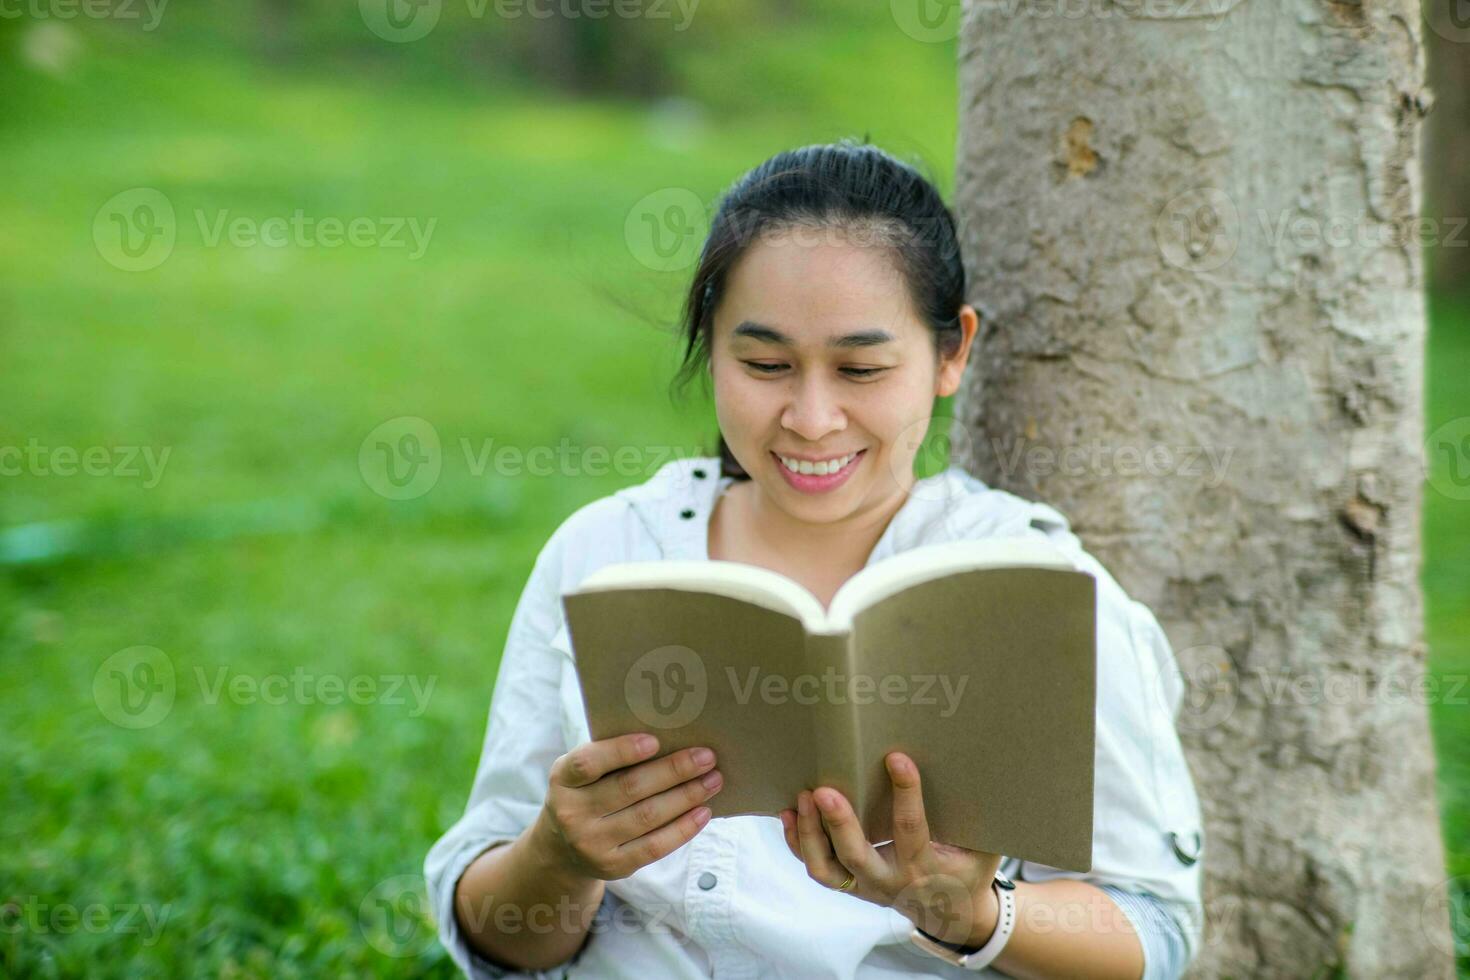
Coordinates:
[1184,222]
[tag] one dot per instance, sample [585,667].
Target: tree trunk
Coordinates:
[1189,230]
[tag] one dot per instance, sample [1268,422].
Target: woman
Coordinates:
[828,308]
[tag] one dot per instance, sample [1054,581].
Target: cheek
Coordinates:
[740,401]
[893,411]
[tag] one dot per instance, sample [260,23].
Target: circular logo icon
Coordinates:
[929,446]
[1447,458]
[401,458]
[665,230]
[400,21]
[395,917]
[135,230]
[1199,230]
[667,687]
[135,688]
[1448,902]
[1209,688]
[930,21]
[934,445]
[1450,19]
[941,905]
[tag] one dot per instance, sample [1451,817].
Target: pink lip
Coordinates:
[812,483]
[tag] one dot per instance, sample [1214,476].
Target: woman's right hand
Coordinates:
[611,808]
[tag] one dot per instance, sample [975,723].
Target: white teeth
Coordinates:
[818,469]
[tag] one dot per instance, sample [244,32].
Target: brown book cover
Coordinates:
[977,658]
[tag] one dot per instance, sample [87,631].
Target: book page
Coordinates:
[894,574]
[738,580]
[697,669]
[987,679]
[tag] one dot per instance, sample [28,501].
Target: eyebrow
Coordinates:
[863,338]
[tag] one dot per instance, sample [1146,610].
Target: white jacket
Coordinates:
[733,902]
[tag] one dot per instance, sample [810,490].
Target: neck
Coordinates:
[846,543]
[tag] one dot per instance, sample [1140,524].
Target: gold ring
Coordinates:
[846,884]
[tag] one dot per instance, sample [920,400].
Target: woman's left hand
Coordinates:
[943,889]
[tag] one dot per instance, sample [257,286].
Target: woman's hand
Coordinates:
[945,890]
[611,809]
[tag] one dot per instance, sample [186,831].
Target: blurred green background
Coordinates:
[226,834]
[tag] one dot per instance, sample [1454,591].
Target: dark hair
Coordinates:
[848,185]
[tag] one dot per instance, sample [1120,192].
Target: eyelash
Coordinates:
[852,372]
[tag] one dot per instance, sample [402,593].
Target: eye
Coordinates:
[765,368]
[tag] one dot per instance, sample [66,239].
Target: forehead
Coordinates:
[812,284]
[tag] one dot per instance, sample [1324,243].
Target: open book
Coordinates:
[977,658]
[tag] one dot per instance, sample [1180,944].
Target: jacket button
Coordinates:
[699,473]
[707,881]
[686,513]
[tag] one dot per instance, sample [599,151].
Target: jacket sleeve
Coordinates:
[1162,935]
[523,737]
[1147,830]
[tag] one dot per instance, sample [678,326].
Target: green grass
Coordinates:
[1446,579]
[257,831]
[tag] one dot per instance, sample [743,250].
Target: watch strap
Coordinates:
[976,959]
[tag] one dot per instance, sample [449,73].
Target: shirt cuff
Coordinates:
[1165,953]
[443,880]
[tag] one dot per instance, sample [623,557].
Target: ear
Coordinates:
[952,369]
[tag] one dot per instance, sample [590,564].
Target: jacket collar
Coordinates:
[674,505]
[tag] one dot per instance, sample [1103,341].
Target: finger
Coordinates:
[816,849]
[624,787]
[788,829]
[662,842]
[910,825]
[649,814]
[588,763]
[845,832]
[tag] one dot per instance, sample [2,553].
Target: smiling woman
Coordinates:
[828,307]
[843,247]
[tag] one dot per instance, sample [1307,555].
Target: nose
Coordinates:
[814,411]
